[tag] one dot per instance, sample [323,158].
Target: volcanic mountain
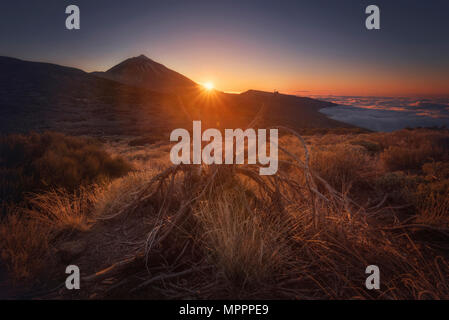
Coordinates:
[37,96]
[138,97]
[143,72]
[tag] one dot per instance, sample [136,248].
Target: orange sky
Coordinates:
[300,47]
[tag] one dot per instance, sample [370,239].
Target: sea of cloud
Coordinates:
[388,114]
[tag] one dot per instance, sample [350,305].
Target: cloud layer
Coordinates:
[388,114]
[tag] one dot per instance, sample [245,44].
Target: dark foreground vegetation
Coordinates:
[40,162]
[339,203]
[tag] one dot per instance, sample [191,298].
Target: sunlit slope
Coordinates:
[42,96]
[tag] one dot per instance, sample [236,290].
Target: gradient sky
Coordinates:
[299,47]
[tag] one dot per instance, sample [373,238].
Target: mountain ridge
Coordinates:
[44,96]
[144,72]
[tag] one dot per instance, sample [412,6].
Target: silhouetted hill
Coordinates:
[144,72]
[43,96]
[294,111]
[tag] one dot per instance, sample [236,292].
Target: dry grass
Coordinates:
[114,196]
[340,165]
[249,247]
[434,210]
[406,158]
[62,210]
[28,233]
[226,232]
[24,246]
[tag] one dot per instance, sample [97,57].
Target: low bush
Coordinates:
[409,158]
[24,247]
[432,195]
[370,146]
[340,165]
[39,162]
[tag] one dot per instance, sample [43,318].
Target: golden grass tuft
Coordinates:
[114,196]
[62,210]
[247,246]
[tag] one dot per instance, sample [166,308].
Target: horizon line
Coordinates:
[307,93]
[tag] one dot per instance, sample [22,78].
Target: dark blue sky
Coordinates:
[305,46]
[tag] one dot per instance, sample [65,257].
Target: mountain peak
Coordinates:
[144,57]
[143,72]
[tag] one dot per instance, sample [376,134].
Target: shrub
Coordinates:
[370,146]
[432,195]
[24,246]
[398,186]
[340,165]
[410,149]
[433,209]
[437,176]
[409,158]
[36,162]
[413,138]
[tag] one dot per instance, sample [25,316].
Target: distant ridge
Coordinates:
[136,97]
[143,72]
[36,96]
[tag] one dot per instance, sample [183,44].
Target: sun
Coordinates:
[208,86]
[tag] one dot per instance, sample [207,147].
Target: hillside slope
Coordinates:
[43,96]
[143,72]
